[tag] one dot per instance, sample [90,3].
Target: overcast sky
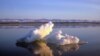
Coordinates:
[50,9]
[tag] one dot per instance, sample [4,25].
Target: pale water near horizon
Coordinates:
[9,37]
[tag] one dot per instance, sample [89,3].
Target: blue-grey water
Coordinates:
[10,35]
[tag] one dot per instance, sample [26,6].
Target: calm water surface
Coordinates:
[10,35]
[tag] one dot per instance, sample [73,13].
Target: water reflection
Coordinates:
[41,48]
[37,48]
[69,48]
[59,50]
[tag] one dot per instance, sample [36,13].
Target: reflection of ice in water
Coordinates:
[37,48]
[61,49]
[41,48]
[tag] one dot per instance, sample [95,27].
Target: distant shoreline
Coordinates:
[39,23]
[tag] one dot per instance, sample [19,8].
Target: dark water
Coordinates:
[10,35]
